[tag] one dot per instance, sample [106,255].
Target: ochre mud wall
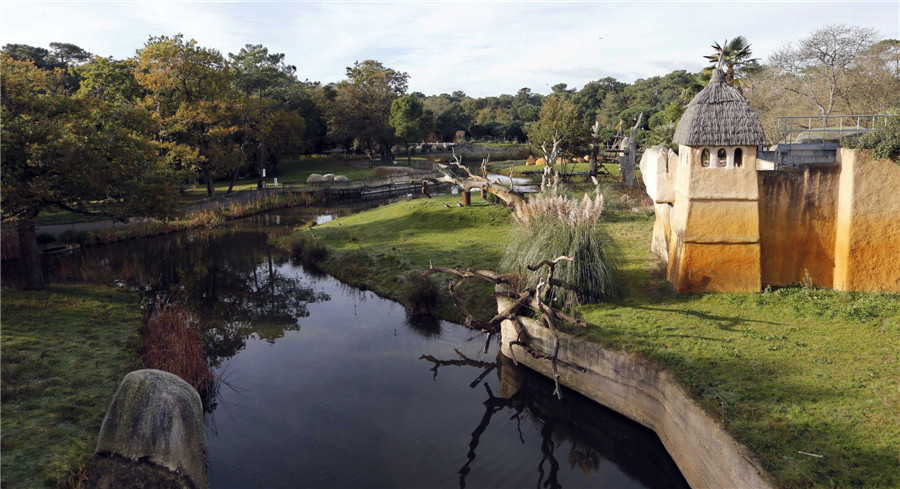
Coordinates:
[797,220]
[867,246]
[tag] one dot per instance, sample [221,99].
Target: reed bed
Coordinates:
[553,225]
[173,344]
[214,216]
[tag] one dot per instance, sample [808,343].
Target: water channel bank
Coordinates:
[707,456]
[330,386]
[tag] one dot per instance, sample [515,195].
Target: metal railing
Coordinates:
[824,129]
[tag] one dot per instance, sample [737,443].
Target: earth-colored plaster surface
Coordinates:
[867,248]
[798,213]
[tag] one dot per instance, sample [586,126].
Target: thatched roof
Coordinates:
[719,115]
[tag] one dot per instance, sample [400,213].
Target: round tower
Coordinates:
[714,240]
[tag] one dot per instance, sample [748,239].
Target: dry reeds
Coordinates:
[213,216]
[172,343]
[571,211]
[557,225]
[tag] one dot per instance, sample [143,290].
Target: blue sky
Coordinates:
[482,48]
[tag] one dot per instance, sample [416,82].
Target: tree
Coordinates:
[560,131]
[361,109]
[189,88]
[76,153]
[453,118]
[737,59]
[410,121]
[817,68]
[269,86]
[110,80]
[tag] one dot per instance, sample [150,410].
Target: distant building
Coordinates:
[724,224]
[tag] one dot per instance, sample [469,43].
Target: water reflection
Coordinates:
[585,434]
[327,385]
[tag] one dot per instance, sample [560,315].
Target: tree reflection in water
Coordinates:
[592,432]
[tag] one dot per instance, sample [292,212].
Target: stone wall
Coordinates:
[797,218]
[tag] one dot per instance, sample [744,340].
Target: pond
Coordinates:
[326,385]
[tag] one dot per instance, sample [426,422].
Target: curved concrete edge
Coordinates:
[154,420]
[706,455]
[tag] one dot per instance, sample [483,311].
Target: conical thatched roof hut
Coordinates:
[719,115]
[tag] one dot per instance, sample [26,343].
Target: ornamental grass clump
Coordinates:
[551,226]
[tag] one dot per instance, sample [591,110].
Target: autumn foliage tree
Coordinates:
[189,90]
[74,152]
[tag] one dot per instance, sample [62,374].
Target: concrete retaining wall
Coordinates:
[707,456]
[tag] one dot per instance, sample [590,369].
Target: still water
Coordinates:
[326,385]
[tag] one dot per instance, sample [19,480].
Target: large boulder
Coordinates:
[341,178]
[329,177]
[152,436]
[540,162]
[531,161]
[315,178]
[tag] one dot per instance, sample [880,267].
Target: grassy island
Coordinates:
[65,349]
[808,379]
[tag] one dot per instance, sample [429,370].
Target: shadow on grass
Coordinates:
[728,323]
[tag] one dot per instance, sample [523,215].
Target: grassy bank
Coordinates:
[65,349]
[785,371]
[378,249]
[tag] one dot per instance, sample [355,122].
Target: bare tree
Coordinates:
[817,67]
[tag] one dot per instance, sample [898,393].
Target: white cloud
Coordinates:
[480,48]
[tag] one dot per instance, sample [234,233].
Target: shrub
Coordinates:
[172,343]
[883,141]
[549,227]
[44,238]
[421,295]
[306,249]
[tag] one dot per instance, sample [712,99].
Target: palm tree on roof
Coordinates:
[736,59]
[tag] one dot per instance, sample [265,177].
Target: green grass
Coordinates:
[377,249]
[784,371]
[297,171]
[65,349]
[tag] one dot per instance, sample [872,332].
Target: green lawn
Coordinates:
[65,350]
[786,371]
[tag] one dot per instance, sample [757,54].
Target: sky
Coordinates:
[481,48]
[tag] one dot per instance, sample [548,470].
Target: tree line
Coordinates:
[94,134]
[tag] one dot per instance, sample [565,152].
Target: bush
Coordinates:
[173,344]
[44,238]
[883,141]
[307,249]
[421,295]
[549,227]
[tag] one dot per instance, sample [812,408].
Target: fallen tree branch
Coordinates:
[523,299]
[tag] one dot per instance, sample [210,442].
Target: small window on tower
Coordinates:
[738,158]
[722,158]
[704,158]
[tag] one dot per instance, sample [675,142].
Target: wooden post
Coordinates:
[483,194]
[466,197]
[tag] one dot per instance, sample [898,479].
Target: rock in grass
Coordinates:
[152,436]
[315,178]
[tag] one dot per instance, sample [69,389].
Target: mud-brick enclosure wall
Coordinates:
[797,222]
[835,225]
